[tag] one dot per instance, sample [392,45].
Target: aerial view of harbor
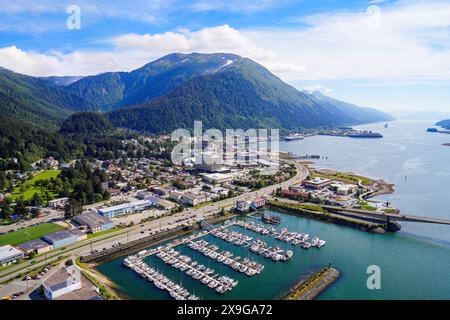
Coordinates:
[225,158]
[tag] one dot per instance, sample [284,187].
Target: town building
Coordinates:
[217,178]
[63,281]
[193,199]
[317,183]
[166,205]
[58,203]
[60,238]
[243,205]
[37,245]
[258,203]
[94,222]
[209,162]
[9,254]
[175,196]
[125,208]
[143,195]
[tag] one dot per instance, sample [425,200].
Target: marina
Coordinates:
[220,283]
[243,265]
[257,246]
[160,281]
[294,238]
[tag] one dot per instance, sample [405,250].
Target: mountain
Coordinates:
[444,124]
[363,115]
[61,81]
[86,123]
[35,100]
[224,91]
[29,143]
[116,89]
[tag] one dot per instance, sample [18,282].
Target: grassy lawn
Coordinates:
[18,237]
[101,233]
[368,208]
[29,188]
[346,178]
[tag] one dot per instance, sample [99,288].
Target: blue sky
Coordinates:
[392,55]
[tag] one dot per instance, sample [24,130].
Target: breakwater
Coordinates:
[310,288]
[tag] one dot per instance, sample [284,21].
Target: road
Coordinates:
[144,229]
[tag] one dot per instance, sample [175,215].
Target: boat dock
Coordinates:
[175,290]
[257,246]
[221,284]
[294,238]
[246,266]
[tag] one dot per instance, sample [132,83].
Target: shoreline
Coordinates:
[311,287]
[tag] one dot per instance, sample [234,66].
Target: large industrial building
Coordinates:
[37,245]
[125,208]
[62,282]
[9,254]
[94,222]
[60,238]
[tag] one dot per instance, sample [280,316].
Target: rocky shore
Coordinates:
[314,285]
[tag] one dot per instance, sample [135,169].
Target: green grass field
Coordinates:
[30,185]
[18,237]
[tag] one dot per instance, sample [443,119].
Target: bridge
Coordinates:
[385,216]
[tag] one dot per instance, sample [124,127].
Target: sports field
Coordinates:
[18,237]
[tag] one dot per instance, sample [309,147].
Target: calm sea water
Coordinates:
[414,263]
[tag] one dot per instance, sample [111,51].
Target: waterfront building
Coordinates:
[37,245]
[9,254]
[94,222]
[60,238]
[317,183]
[243,205]
[258,203]
[58,203]
[125,208]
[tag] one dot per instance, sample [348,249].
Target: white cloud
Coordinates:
[317,87]
[133,50]
[411,45]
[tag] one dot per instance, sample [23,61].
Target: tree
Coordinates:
[37,200]
[69,262]
[72,208]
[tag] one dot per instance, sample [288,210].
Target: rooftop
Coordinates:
[33,245]
[92,219]
[59,235]
[126,205]
[62,278]
[8,251]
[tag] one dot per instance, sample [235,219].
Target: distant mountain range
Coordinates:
[444,124]
[222,90]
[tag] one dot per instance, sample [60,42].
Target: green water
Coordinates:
[410,268]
